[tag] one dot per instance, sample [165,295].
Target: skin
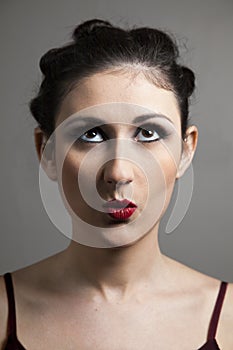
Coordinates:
[134,293]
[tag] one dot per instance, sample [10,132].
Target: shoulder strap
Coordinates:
[11,326]
[216,312]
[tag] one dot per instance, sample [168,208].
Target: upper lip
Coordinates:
[116,203]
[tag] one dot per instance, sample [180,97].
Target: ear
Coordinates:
[46,153]
[188,150]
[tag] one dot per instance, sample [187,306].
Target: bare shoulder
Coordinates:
[227,307]
[198,282]
[224,332]
[3,312]
[210,286]
[191,279]
[37,275]
[28,284]
[229,296]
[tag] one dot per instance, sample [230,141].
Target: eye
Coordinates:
[92,135]
[151,133]
[148,135]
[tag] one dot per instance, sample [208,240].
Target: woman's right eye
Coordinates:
[93,135]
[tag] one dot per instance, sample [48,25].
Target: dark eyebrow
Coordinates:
[138,119]
[143,117]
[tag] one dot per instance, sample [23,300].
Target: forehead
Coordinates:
[104,88]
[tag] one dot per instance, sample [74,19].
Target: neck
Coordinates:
[122,271]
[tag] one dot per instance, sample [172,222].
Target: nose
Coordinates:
[118,172]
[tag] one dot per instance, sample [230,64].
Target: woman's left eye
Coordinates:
[148,135]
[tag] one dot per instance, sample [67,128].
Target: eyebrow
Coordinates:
[143,117]
[138,119]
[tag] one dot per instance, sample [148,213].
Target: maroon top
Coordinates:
[12,342]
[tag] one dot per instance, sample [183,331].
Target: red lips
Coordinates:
[120,209]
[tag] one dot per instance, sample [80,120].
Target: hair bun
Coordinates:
[87,27]
[188,79]
[47,61]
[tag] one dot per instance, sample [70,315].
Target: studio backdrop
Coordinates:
[202,229]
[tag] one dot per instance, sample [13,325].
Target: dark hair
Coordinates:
[97,45]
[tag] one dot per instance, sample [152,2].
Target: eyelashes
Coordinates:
[146,133]
[92,133]
[151,130]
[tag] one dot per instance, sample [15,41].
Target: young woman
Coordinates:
[117,103]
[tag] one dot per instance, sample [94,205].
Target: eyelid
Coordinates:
[151,126]
[162,132]
[98,129]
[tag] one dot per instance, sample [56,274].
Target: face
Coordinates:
[119,158]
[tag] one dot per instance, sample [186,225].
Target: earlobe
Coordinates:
[46,153]
[189,148]
[184,163]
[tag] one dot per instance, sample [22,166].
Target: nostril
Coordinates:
[118,172]
[124,182]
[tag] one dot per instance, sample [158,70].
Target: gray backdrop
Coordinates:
[204,239]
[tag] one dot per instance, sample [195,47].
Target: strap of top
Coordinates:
[216,312]
[11,326]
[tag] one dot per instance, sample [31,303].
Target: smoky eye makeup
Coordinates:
[76,133]
[162,131]
[81,134]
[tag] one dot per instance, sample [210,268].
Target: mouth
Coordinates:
[120,209]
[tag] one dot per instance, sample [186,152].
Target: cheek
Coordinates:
[169,159]
[76,189]
[69,174]
[170,171]
[165,180]
[69,179]
[168,163]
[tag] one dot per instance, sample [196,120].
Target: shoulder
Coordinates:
[224,332]
[32,280]
[228,303]
[230,291]
[210,287]
[26,283]
[3,312]
[193,280]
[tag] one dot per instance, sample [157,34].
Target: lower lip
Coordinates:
[121,214]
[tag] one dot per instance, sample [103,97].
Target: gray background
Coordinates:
[204,239]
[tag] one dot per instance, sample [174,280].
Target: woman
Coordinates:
[112,288]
